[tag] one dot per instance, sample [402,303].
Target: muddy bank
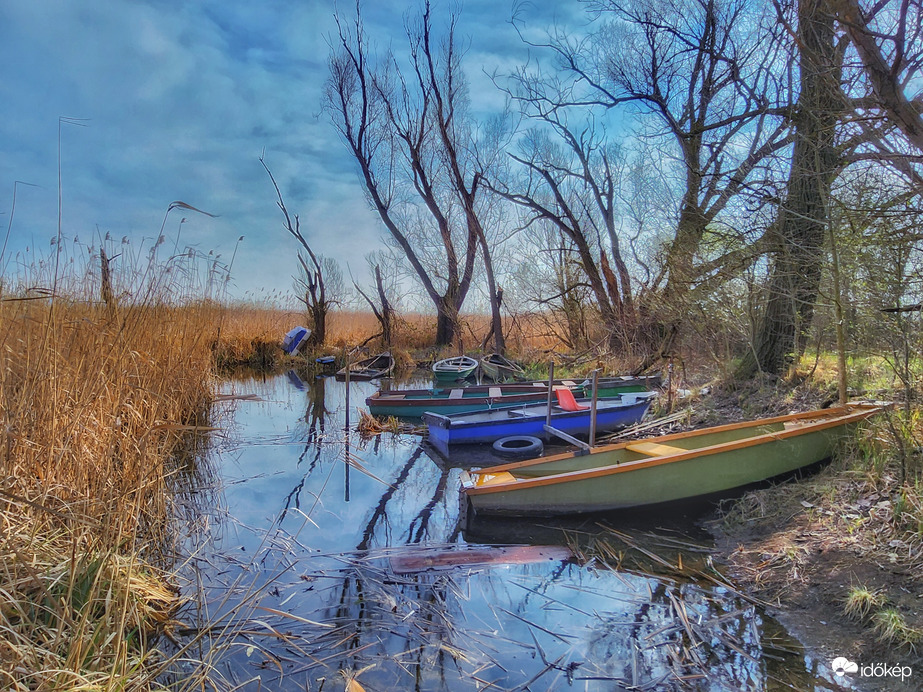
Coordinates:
[807,548]
[836,555]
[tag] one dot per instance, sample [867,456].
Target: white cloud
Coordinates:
[181,98]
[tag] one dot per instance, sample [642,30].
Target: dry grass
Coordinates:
[93,404]
[417,331]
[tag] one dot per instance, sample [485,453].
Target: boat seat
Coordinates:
[456,393]
[654,449]
[494,478]
[567,401]
[494,392]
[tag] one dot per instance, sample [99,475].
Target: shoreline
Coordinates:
[787,545]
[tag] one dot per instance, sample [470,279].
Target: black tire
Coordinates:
[518,447]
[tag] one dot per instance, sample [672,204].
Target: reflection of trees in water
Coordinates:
[419,526]
[683,637]
[315,418]
[550,625]
[380,511]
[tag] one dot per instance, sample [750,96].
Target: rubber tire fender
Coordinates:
[518,447]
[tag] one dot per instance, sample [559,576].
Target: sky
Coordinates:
[176,101]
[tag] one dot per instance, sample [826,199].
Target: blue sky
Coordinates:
[179,100]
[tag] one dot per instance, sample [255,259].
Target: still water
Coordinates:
[315,557]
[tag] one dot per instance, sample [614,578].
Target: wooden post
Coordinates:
[593,408]
[346,432]
[550,390]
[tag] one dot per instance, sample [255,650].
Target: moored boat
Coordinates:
[413,403]
[456,368]
[498,368]
[369,368]
[486,426]
[665,468]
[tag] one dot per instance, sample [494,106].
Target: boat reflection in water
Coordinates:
[315,559]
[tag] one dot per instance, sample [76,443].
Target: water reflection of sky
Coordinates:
[306,541]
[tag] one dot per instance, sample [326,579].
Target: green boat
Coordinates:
[413,403]
[498,367]
[662,469]
[457,368]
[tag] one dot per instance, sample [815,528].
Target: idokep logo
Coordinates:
[842,665]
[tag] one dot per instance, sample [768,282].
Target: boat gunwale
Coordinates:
[521,393]
[861,412]
[462,420]
[504,364]
[444,365]
[363,369]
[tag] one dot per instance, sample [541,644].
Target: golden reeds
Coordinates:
[93,401]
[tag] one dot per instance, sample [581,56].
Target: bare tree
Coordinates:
[417,153]
[311,283]
[799,231]
[573,188]
[383,310]
[849,111]
[888,38]
[704,70]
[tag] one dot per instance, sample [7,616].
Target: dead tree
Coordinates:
[312,282]
[407,129]
[383,312]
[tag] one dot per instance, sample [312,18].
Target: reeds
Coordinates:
[95,397]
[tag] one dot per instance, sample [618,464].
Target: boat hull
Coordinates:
[498,368]
[483,427]
[457,368]
[621,477]
[413,403]
[452,376]
[369,369]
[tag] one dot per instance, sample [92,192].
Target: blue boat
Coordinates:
[571,416]
[295,339]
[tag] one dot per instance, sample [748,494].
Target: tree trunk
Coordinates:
[319,325]
[800,227]
[496,295]
[446,321]
[387,312]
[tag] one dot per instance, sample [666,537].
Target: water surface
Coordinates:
[315,556]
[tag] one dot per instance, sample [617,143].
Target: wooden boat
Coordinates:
[661,469]
[457,368]
[369,369]
[569,416]
[413,403]
[498,368]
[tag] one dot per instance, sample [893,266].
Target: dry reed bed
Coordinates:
[92,404]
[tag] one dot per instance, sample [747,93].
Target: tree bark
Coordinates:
[800,227]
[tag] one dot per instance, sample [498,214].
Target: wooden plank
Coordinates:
[427,559]
[654,449]
[567,438]
[456,393]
